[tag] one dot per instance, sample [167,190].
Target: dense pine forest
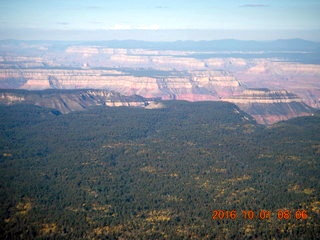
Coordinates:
[200,170]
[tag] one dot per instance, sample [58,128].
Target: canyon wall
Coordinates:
[269,106]
[66,101]
[194,86]
[171,74]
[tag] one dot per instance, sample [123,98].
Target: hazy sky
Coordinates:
[229,18]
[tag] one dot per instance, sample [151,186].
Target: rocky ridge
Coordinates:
[266,106]
[66,101]
[185,72]
[194,86]
[269,106]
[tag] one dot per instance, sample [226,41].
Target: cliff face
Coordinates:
[269,107]
[192,75]
[72,100]
[266,106]
[301,79]
[194,86]
[203,75]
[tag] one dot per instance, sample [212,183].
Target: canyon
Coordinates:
[270,88]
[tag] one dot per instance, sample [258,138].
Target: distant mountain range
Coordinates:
[297,50]
[214,45]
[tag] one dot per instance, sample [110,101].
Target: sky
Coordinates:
[163,20]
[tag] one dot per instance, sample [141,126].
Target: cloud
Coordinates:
[254,5]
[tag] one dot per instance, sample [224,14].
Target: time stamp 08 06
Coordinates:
[281,214]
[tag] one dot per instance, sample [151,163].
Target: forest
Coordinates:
[133,173]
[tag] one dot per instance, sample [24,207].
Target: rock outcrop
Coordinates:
[66,101]
[191,73]
[298,78]
[269,107]
[193,86]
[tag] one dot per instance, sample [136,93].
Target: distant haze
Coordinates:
[156,35]
[164,20]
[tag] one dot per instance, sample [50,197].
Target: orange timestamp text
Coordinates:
[281,214]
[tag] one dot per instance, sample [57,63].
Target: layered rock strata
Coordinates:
[66,101]
[269,107]
[194,86]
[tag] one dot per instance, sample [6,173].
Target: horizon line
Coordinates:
[173,41]
[160,35]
